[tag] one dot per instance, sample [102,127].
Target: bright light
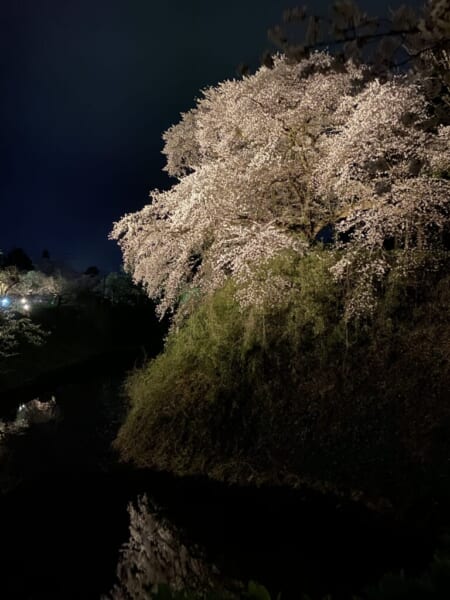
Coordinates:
[5,302]
[23,300]
[26,306]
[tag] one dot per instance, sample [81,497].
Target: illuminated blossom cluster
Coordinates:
[263,163]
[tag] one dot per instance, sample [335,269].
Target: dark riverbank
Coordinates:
[83,340]
[47,383]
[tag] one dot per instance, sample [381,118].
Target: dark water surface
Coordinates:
[63,514]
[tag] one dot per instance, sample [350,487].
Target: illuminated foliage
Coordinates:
[16,330]
[265,162]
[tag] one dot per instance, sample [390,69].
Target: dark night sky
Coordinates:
[87,88]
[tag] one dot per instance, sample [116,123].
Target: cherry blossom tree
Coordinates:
[243,159]
[264,162]
[36,282]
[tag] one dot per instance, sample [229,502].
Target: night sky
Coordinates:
[87,89]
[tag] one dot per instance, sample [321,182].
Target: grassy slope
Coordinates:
[294,396]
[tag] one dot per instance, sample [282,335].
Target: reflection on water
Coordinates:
[36,412]
[30,413]
[63,500]
[18,455]
[155,554]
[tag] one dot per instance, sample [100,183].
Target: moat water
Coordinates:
[64,517]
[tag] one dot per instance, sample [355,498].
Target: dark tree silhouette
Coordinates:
[92,271]
[17,257]
[409,39]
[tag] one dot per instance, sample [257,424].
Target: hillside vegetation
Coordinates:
[303,257]
[294,394]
